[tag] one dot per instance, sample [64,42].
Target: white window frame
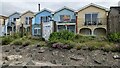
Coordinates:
[37,31]
[91,15]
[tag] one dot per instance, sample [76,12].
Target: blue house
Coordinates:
[65,19]
[11,26]
[40,18]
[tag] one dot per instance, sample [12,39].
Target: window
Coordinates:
[14,19]
[37,31]
[45,19]
[91,19]
[27,20]
[65,18]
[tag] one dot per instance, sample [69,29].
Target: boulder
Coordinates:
[116,57]
[76,58]
[13,57]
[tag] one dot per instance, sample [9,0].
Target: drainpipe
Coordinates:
[41,26]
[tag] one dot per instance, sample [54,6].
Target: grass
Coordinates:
[77,42]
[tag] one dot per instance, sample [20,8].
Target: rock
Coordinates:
[30,63]
[76,58]
[16,63]
[42,49]
[116,57]
[13,57]
[6,50]
[55,53]
[72,50]
[98,62]
[17,50]
[53,62]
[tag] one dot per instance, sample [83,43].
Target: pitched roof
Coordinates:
[44,10]
[14,13]
[27,12]
[5,17]
[95,5]
[65,7]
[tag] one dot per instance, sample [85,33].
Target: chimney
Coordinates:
[38,7]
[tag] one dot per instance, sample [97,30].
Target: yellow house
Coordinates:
[26,20]
[92,20]
[2,24]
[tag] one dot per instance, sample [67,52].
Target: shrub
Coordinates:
[7,40]
[78,47]
[17,42]
[26,43]
[62,35]
[81,39]
[16,35]
[38,38]
[114,37]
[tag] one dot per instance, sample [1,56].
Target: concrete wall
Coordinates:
[102,14]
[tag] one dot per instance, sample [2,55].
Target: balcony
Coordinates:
[98,21]
[68,21]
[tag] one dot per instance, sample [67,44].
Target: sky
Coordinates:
[7,7]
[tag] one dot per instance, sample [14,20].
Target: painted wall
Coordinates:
[2,25]
[37,19]
[91,9]
[63,12]
[40,14]
[23,17]
[15,15]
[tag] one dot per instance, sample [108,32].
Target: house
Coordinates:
[11,26]
[92,20]
[113,25]
[65,19]
[41,25]
[2,25]
[26,20]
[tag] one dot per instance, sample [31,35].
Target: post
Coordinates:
[41,27]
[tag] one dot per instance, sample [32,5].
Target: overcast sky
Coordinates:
[11,6]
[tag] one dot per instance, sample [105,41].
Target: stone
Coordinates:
[30,63]
[53,62]
[72,50]
[116,57]
[6,50]
[76,58]
[13,57]
[16,63]
[55,53]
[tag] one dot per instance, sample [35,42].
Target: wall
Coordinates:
[91,9]
[16,15]
[23,17]
[113,21]
[40,14]
[63,12]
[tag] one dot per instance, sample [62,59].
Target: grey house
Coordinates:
[113,24]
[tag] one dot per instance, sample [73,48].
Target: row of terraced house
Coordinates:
[91,19]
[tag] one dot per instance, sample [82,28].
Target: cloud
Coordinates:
[11,6]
